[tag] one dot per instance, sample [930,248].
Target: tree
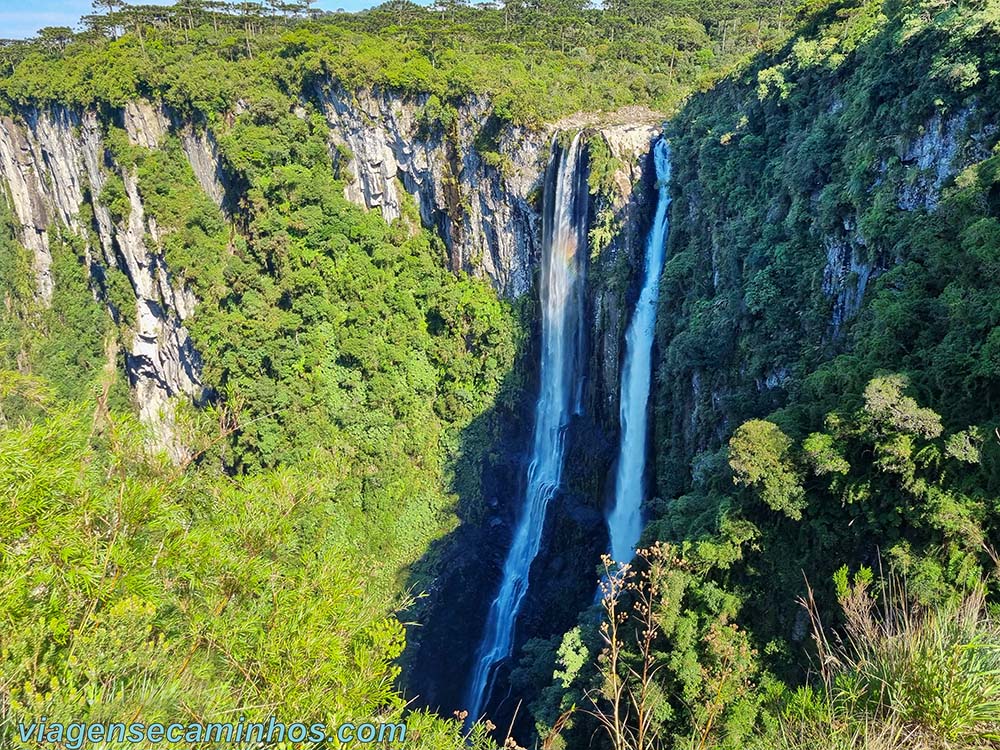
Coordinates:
[55,37]
[288,7]
[888,409]
[759,455]
[110,6]
[111,9]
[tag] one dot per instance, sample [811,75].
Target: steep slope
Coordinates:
[836,220]
[324,235]
[57,163]
[145,243]
[54,163]
[831,268]
[800,183]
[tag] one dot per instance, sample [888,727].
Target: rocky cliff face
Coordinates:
[562,579]
[475,183]
[475,180]
[54,164]
[924,163]
[484,206]
[795,211]
[617,265]
[484,212]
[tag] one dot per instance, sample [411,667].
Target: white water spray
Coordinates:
[625,519]
[563,242]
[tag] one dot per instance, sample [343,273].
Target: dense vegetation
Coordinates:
[134,589]
[344,363]
[536,60]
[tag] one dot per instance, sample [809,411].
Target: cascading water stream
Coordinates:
[625,519]
[561,286]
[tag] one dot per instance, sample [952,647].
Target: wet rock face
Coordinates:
[562,578]
[53,162]
[616,268]
[849,268]
[475,183]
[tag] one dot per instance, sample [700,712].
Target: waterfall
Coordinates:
[564,226]
[625,519]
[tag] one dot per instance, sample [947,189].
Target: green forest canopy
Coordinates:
[536,60]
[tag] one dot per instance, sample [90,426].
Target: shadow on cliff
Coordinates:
[460,574]
[457,578]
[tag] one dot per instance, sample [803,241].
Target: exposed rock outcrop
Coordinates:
[623,214]
[482,210]
[474,179]
[54,162]
[944,146]
[562,575]
[203,155]
[848,270]
[476,182]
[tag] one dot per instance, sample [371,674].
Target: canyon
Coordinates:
[628,392]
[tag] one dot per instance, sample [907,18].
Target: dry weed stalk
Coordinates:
[624,706]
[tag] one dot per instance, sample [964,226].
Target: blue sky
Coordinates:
[22,18]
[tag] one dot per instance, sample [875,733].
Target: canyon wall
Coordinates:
[562,578]
[478,185]
[791,207]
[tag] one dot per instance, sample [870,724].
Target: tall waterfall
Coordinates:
[625,519]
[563,246]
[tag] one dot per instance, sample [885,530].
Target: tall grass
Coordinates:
[900,675]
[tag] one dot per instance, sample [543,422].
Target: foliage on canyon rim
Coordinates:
[534,61]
